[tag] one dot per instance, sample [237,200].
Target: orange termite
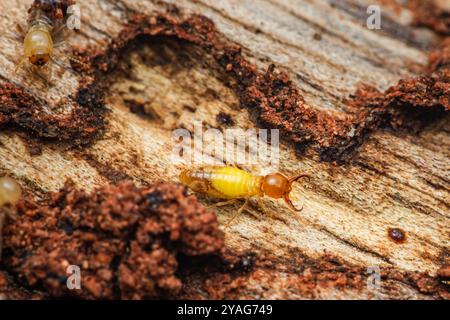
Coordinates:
[230,183]
[10,193]
[41,37]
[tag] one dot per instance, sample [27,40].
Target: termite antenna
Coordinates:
[73,59]
[68,67]
[301,176]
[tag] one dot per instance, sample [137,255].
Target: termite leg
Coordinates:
[237,213]
[59,35]
[222,203]
[61,64]
[264,208]
[59,44]
[20,64]
[45,73]
[16,33]
[20,28]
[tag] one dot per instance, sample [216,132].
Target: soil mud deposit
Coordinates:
[127,240]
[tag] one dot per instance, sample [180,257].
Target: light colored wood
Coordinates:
[347,209]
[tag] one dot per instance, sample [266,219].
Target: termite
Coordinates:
[231,183]
[43,34]
[10,194]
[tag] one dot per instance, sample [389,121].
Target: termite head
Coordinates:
[277,186]
[38,46]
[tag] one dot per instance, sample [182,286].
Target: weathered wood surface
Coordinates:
[396,181]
